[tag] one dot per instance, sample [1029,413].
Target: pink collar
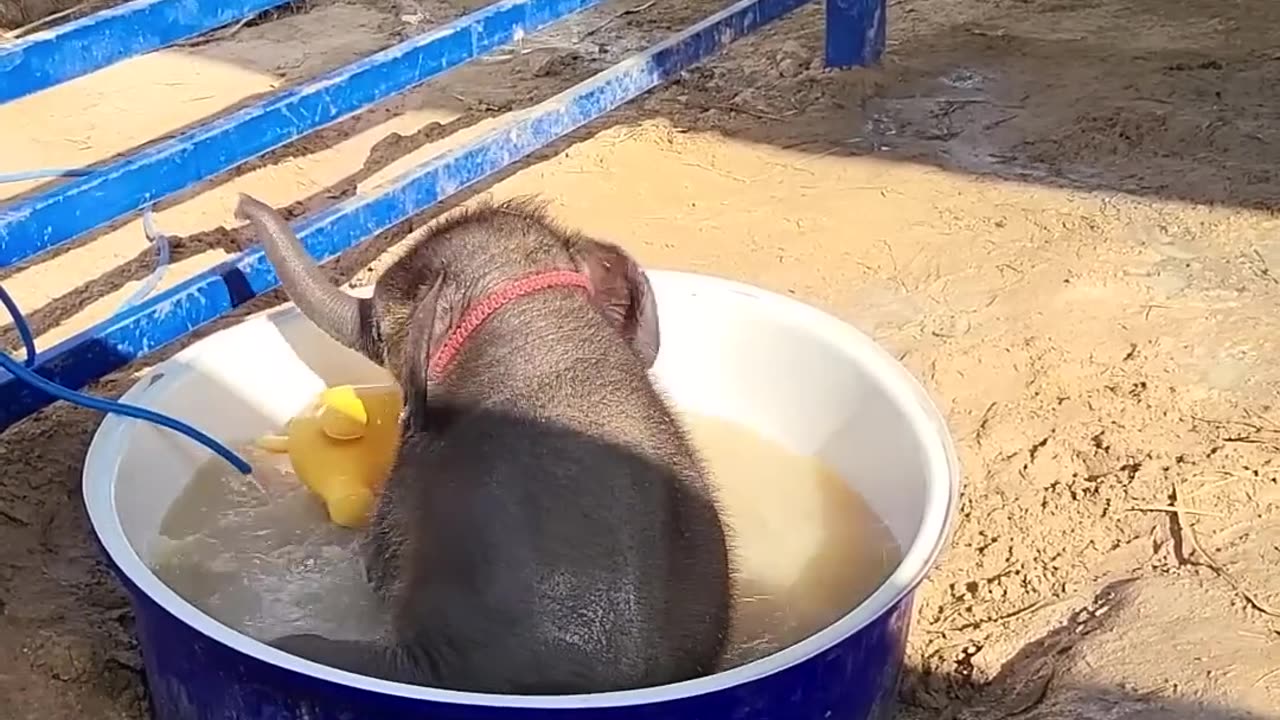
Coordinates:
[492,303]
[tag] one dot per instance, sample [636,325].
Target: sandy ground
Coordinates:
[1061,214]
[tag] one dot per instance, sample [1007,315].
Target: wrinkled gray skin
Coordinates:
[547,527]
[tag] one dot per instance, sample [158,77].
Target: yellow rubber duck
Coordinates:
[342,446]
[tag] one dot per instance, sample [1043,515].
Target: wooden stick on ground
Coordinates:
[1189,535]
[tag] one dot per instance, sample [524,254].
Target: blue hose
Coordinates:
[24,330]
[24,373]
[148,227]
[161,241]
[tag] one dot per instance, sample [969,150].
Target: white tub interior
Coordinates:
[791,372]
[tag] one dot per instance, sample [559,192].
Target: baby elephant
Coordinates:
[547,527]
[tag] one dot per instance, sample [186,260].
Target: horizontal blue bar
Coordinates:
[178,311]
[41,222]
[47,58]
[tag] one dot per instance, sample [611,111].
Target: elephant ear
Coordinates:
[417,360]
[621,291]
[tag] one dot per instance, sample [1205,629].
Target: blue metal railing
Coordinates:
[176,312]
[40,223]
[44,59]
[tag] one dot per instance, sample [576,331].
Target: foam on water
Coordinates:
[259,555]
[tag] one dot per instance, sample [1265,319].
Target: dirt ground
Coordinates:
[1061,214]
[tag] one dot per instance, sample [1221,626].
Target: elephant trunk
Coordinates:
[335,312]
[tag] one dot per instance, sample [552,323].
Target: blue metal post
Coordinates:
[855,32]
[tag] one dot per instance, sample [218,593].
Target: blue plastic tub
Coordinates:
[793,373]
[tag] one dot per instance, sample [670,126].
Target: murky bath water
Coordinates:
[259,555]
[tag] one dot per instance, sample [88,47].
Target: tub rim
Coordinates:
[942,499]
